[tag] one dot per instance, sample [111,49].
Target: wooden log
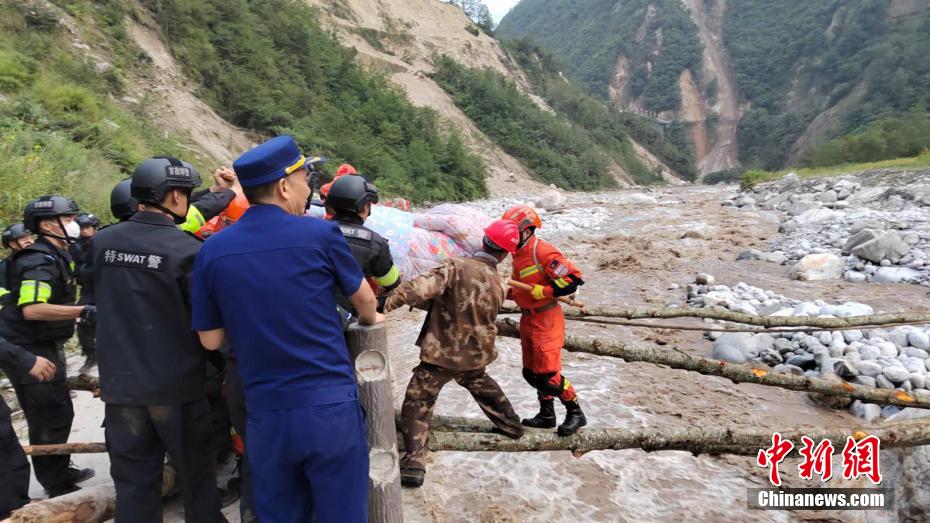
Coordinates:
[368,346]
[639,313]
[64,448]
[733,372]
[88,505]
[697,440]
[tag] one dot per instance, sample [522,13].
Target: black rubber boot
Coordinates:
[574,419]
[545,419]
[77,475]
[412,477]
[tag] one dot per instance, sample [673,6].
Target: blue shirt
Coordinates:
[268,280]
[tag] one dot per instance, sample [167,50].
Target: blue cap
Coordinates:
[270,161]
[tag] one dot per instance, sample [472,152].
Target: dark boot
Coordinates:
[545,419]
[574,419]
[412,477]
[77,475]
[89,363]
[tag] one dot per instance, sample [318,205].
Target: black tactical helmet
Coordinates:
[154,177]
[122,204]
[351,193]
[13,233]
[86,219]
[47,207]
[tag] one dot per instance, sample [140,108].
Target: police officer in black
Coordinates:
[350,199]
[14,467]
[152,368]
[39,315]
[78,250]
[16,237]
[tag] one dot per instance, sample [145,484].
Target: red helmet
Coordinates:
[525,217]
[502,235]
[345,169]
[236,208]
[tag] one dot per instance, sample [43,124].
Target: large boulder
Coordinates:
[876,246]
[815,267]
[550,200]
[817,216]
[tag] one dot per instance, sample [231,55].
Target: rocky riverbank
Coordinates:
[869,226]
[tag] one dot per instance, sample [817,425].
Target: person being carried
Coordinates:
[463,296]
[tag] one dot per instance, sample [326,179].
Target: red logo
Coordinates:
[860,458]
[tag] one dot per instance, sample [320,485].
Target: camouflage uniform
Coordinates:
[457,342]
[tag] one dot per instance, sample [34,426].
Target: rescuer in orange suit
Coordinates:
[542,325]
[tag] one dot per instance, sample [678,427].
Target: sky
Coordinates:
[499,8]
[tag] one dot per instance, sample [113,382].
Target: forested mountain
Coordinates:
[799,82]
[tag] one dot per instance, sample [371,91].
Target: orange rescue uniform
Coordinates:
[542,325]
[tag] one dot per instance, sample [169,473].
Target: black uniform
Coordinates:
[85,331]
[4,289]
[371,251]
[152,368]
[42,273]
[14,467]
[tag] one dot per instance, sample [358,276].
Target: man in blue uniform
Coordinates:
[307,439]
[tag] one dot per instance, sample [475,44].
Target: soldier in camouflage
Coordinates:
[457,342]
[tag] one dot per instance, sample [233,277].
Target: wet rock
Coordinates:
[804,361]
[816,267]
[866,411]
[845,370]
[692,235]
[889,411]
[728,353]
[771,357]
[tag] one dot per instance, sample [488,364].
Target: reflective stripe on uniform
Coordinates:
[32,291]
[390,278]
[4,292]
[529,271]
[561,283]
[194,220]
[539,292]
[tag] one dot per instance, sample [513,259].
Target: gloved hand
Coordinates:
[382,299]
[89,315]
[538,292]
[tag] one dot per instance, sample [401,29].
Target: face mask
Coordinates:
[72,231]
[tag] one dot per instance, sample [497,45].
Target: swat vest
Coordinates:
[13,326]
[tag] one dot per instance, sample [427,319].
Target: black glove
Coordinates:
[381,301]
[89,315]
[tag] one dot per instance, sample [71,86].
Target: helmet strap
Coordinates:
[178,220]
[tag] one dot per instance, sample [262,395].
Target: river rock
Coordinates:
[771,357]
[844,370]
[742,341]
[866,411]
[870,353]
[915,365]
[852,336]
[728,353]
[895,275]
[817,216]
[854,277]
[915,352]
[804,361]
[828,196]
[918,380]
[895,374]
[883,383]
[866,381]
[704,279]
[899,336]
[785,368]
[869,368]
[876,246]
[920,340]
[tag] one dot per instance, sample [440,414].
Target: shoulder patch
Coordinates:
[134,259]
[354,232]
[558,269]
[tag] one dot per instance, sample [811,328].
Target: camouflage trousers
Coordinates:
[422,391]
